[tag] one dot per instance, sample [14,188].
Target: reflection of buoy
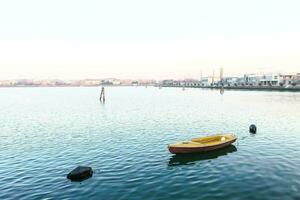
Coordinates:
[252,129]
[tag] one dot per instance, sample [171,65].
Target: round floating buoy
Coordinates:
[252,129]
[80,173]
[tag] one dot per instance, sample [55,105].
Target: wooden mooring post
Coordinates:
[222,90]
[102,95]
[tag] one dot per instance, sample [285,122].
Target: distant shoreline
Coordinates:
[52,86]
[274,88]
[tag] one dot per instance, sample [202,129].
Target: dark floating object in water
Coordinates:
[80,173]
[252,129]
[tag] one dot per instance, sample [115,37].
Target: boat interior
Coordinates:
[212,140]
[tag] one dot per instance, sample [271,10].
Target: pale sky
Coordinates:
[157,39]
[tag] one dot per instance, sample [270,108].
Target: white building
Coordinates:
[209,81]
[110,81]
[288,78]
[230,81]
[270,79]
[91,82]
[6,83]
[191,82]
[116,82]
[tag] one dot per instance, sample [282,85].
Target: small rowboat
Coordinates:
[202,144]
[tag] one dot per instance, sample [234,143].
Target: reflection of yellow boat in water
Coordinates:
[184,159]
[202,144]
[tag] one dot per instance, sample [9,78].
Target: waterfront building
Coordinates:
[110,81]
[286,79]
[24,82]
[91,82]
[172,82]
[240,82]
[191,83]
[252,79]
[107,81]
[4,83]
[230,81]
[135,83]
[116,82]
[178,83]
[146,82]
[168,82]
[269,79]
[210,81]
[125,82]
[181,83]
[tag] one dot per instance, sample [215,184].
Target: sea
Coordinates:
[45,132]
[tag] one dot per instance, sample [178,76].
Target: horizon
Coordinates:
[147,40]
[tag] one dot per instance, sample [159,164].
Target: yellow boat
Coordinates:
[202,144]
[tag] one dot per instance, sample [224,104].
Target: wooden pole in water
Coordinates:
[222,90]
[102,95]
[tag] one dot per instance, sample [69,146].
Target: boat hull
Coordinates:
[179,150]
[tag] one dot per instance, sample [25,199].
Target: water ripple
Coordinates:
[46,132]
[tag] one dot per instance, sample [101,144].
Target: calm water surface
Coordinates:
[46,132]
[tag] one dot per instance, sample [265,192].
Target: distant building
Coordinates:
[91,82]
[108,81]
[6,83]
[191,82]
[44,82]
[126,82]
[135,83]
[252,79]
[181,83]
[270,79]
[146,82]
[210,81]
[116,82]
[240,82]
[24,82]
[168,82]
[288,78]
[230,81]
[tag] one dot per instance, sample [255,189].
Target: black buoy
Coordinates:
[252,129]
[80,173]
